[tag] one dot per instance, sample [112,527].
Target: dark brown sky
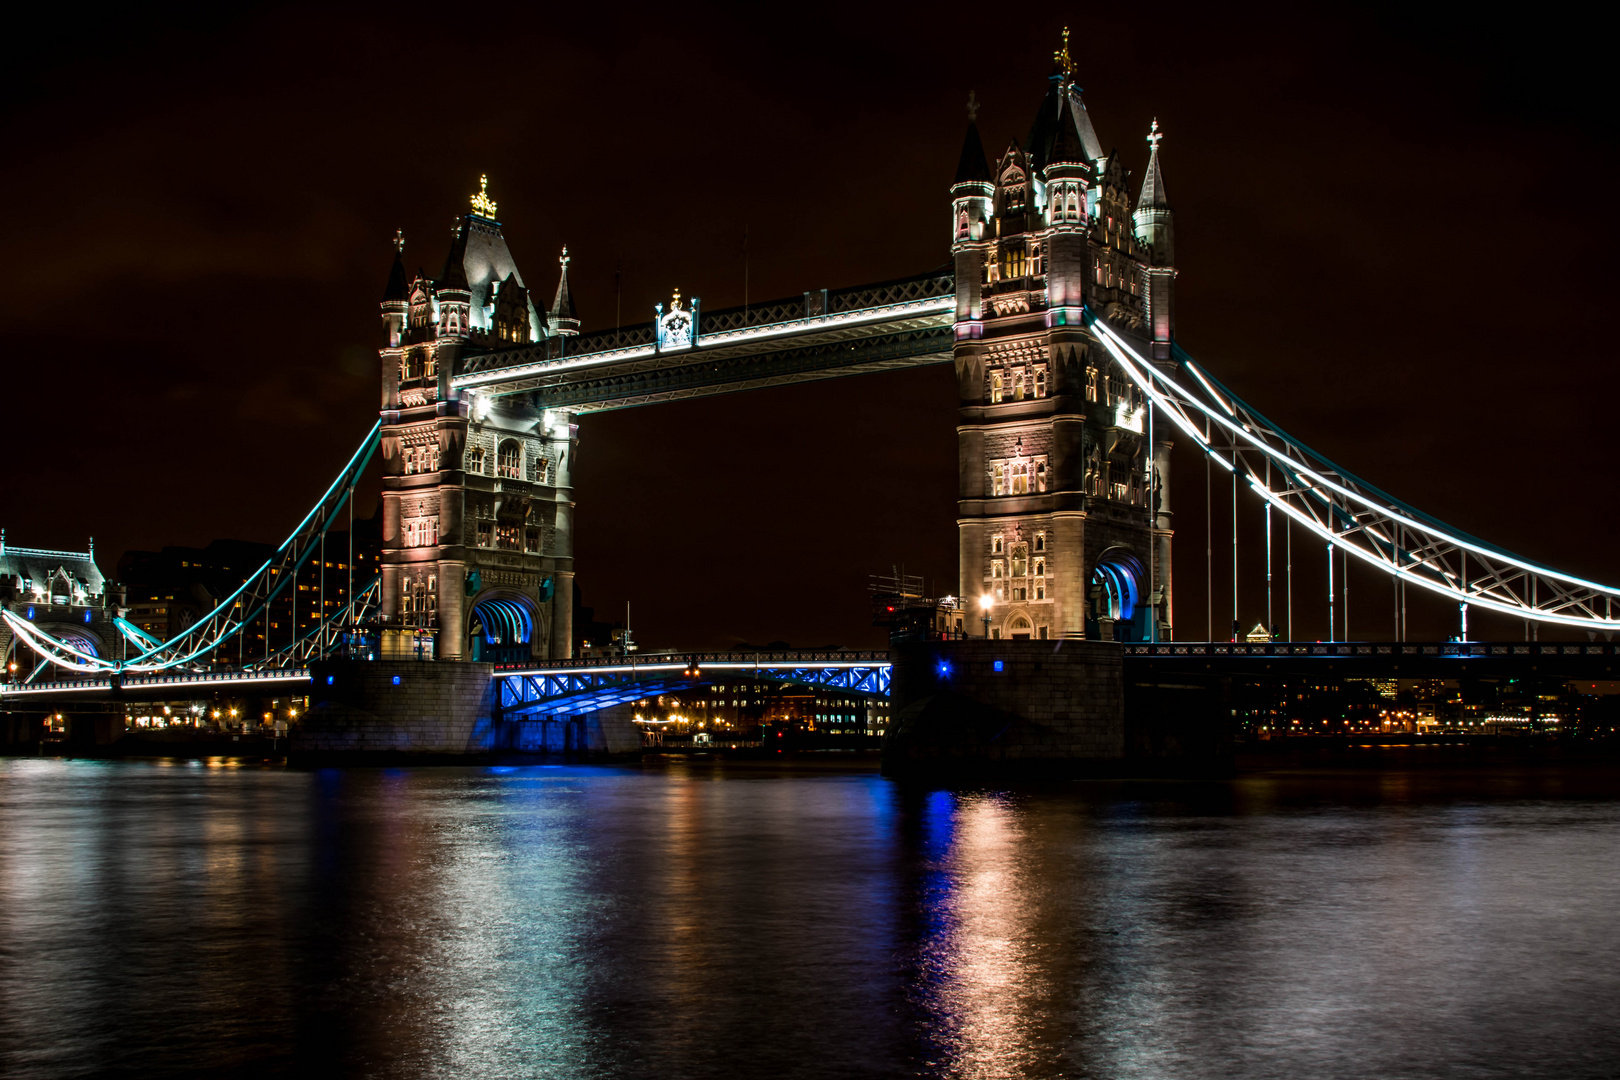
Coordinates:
[1395,237]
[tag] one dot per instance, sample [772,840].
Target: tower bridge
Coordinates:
[1056,309]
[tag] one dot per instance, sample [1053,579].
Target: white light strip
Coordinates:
[723,665]
[1358,497]
[933,306]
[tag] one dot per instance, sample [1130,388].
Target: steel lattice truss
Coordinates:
[820,335]
[1351,514]
[579,686]
[193,647]
[330,635]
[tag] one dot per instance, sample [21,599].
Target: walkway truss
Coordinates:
[1351,514]
[193,649]
[580,686]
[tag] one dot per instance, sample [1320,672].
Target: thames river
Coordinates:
[673,920]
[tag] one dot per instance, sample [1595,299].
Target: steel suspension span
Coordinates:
[249,603]
[1352,515]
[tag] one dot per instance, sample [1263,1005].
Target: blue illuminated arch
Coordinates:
[504,622]
[1120,574]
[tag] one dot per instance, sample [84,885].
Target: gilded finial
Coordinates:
[972,106]
[399,241]
[482,204]
[1062,59]
[675,302]
[563,259]
[1154,135]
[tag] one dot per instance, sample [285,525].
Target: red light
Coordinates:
[778,734]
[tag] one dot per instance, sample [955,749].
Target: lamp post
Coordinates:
[984,606]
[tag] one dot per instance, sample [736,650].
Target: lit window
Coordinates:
[995,387]
[998,479]
[485,534]
[475,459]
[996,543]
[511,460]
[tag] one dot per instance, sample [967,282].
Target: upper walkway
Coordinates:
[820,335]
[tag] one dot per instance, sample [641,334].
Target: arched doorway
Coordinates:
[1116,611]
[501,630]
[1019,628]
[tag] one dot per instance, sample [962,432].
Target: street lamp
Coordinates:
[984,605]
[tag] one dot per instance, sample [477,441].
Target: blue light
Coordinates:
[329,679]
[944,669]
[87,616]
[396,680]
[998,665]
[30,612]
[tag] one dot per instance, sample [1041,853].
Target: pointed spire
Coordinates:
[972,167]
[398,288]
[455,269]
[1153,196]
[564,315]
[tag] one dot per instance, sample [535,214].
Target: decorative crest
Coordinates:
[972,107]
[482,204]
[1061,58]
[1154,135]
[399,241]
[563,259]
[675,301]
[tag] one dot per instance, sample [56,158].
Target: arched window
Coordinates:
[475,459]
[995,387]
[1020,560]
[998,480]
[511,460]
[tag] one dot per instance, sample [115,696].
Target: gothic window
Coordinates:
[1040,382]
[537,470]
[995,387]
[995,569]
[998,481]
[1040,541]
[1035,259]
[1020,560]
[1040,588]
[1040,565]
[962,225]
[1020,592]
[475,459]
[1040,476]
[485,534]
[511,460]
[433,594]
[996,544]
[1018,384]
[506,537]
[1092,381]
[410,460]
[1020,478]
[1012,263]
[531,541]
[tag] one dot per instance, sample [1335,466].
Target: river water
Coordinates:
[674,920]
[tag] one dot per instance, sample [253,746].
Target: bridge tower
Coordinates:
[1063,519]
[477,548]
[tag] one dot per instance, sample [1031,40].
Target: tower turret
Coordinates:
[563,317]
[1155,230]
[396,299]
[971,213]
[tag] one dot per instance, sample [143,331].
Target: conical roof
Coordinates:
[562,306]
[1061,110]
[455,271]
[1153,196]
[972,168]
[398,288]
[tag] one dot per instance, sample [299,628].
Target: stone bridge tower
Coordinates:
[477,546]
[1064,519]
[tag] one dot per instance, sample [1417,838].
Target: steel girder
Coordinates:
[1352,515]
[585,687]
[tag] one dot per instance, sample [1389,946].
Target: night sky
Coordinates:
[1394,233]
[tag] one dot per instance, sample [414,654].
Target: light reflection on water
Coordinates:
[164,919]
